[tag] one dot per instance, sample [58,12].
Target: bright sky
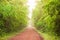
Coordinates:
[31,5]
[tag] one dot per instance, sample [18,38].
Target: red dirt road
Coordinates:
[28,34]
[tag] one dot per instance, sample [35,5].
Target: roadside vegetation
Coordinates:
[46,17]
[13,17]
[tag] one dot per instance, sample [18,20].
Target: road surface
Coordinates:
[28,34]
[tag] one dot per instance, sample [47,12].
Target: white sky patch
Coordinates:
[31,5]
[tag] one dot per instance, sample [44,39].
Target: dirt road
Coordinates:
[28,34]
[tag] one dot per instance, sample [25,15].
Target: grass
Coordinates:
[49,37]
[7,36]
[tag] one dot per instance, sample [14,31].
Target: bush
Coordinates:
[13,17]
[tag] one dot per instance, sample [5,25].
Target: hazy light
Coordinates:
[31,5]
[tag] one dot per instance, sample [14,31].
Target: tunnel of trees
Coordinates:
[46,17]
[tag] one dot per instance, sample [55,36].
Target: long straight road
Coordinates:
[28,34]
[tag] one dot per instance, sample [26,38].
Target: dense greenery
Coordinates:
[47,17]
[13,16]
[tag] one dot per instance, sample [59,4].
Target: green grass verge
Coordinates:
[7,36]
[48,37]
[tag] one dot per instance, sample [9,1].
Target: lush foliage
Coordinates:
[13,16]
[47,17]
